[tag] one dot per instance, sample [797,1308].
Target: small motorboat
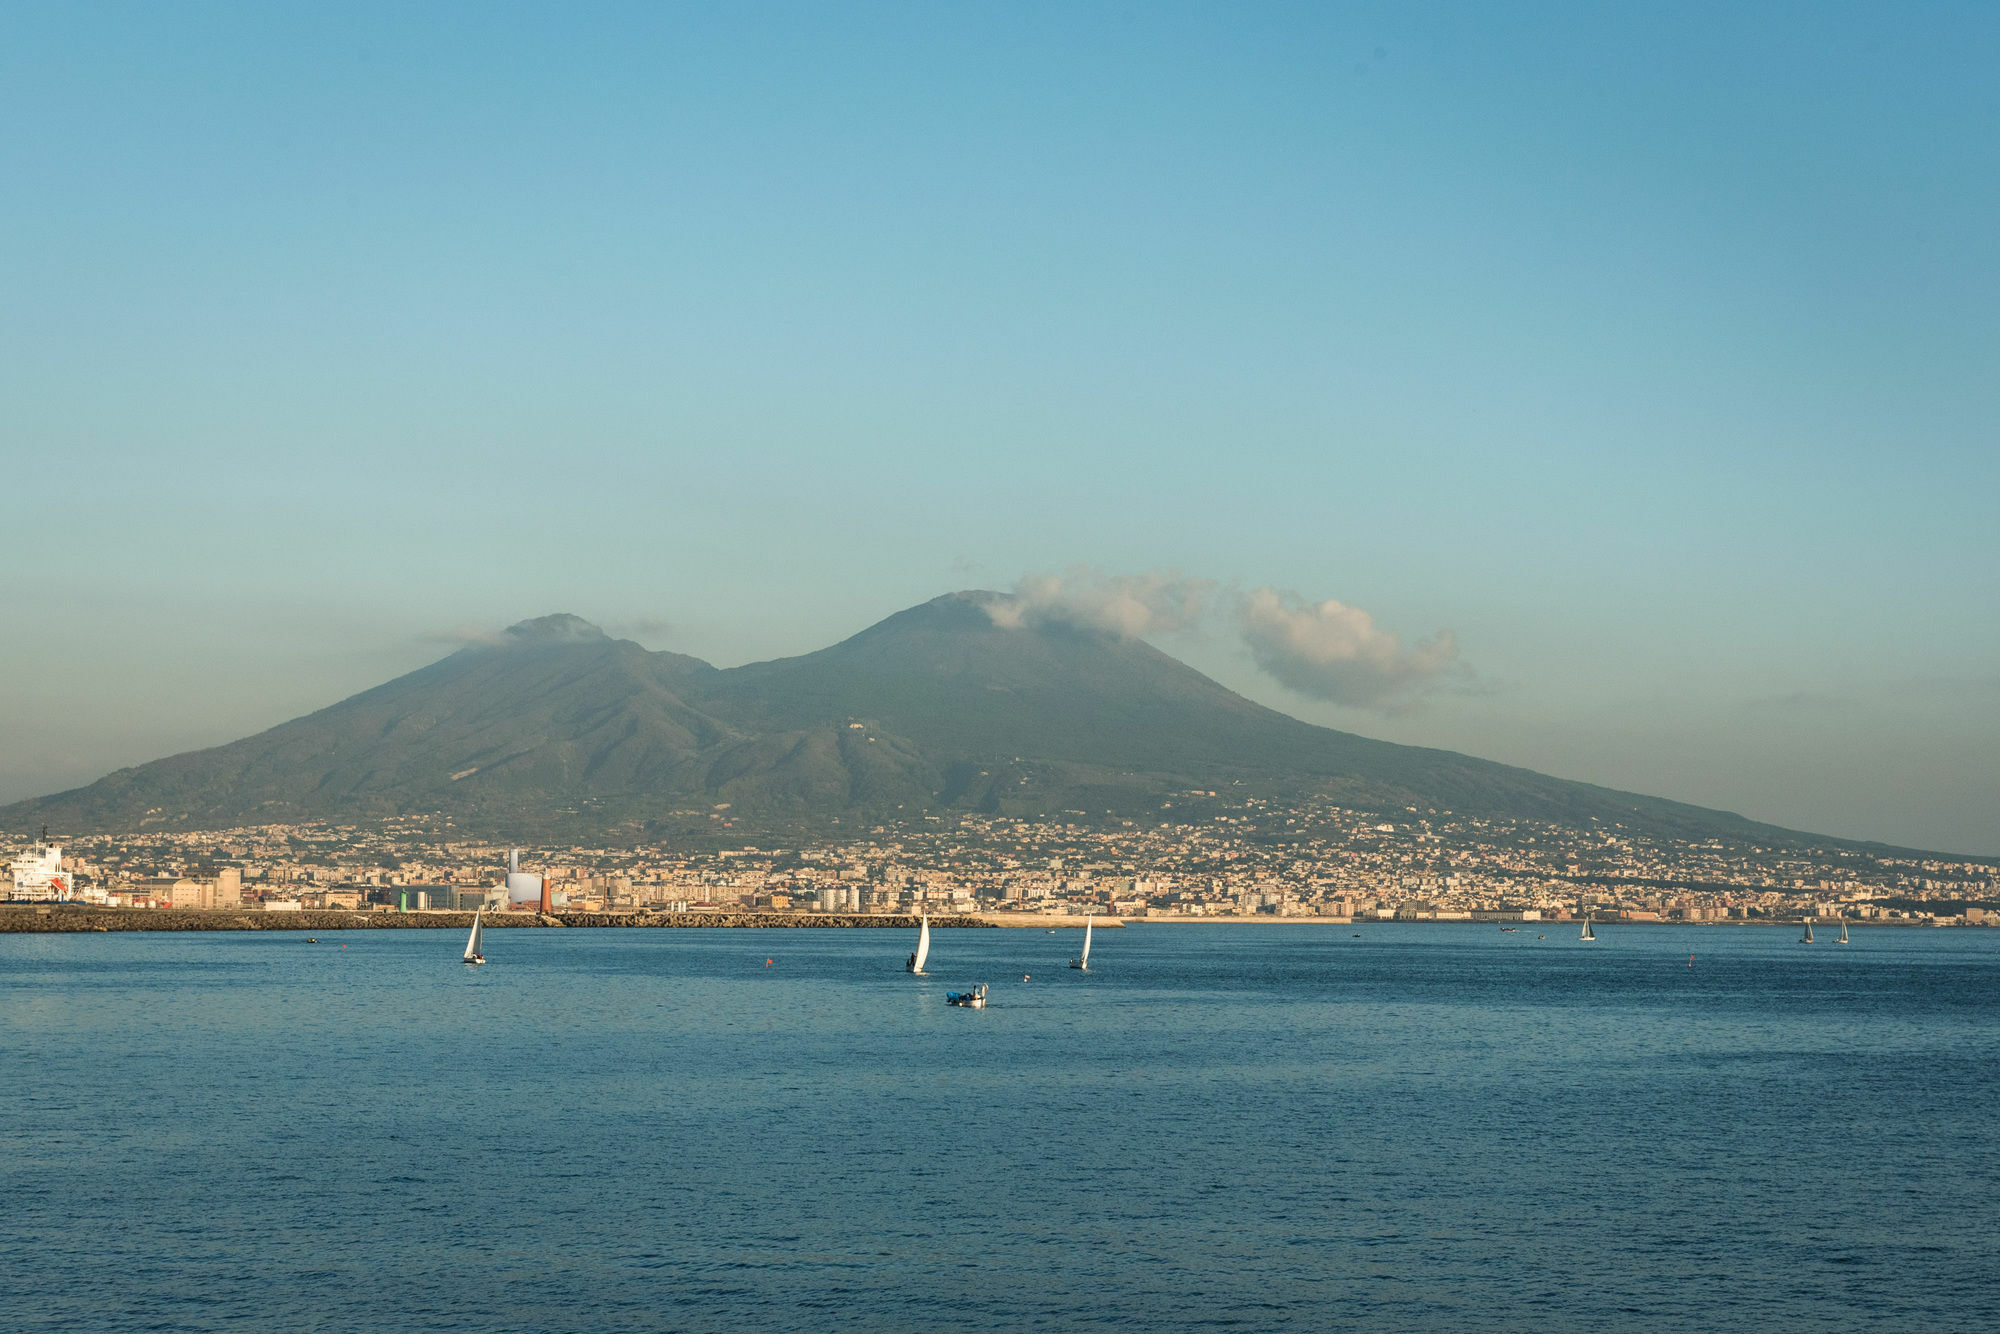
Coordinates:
[312,940]
[974,999]
[1505,929]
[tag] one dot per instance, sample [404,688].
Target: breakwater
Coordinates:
[64,917]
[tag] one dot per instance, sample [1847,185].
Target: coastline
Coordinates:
[28,918]
[64,918]
[1519,924]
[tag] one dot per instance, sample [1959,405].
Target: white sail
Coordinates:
[1082,961]
[923,946]
[1843,933]
[472,941]
[1587,934]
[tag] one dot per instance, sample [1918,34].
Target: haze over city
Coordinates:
[1624,380]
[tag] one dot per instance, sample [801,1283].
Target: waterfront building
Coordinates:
[521,887]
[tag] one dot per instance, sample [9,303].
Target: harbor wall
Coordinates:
[64,917]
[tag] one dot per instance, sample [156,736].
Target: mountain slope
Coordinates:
[937,706]
[555,706]
[1126,721]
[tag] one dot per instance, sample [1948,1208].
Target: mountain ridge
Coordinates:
[940,706]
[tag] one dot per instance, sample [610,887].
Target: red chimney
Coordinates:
[547,906]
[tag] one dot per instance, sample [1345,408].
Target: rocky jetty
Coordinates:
[67,917]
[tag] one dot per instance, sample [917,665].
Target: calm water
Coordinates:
[1249,1127]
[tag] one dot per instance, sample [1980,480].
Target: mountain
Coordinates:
[939,706]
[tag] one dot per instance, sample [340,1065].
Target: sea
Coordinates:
[1218,1127]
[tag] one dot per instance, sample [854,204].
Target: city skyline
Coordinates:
[1239,857]
[1644,355]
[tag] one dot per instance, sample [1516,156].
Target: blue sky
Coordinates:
[1651,354]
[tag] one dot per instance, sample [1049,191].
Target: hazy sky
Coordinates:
[1653,356]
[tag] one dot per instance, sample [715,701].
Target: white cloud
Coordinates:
[1131,605]
[1335,652]
[1327,650]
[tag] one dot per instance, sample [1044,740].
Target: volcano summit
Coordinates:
[947,705]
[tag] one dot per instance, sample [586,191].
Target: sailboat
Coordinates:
[1807,939]
[472,954]
[1083,962]
[1587,934]
[916,963]
[1843,934]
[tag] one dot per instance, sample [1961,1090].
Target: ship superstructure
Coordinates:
[39,876]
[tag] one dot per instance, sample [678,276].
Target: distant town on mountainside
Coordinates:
[1246,858]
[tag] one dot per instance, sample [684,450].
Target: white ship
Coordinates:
[39,876]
